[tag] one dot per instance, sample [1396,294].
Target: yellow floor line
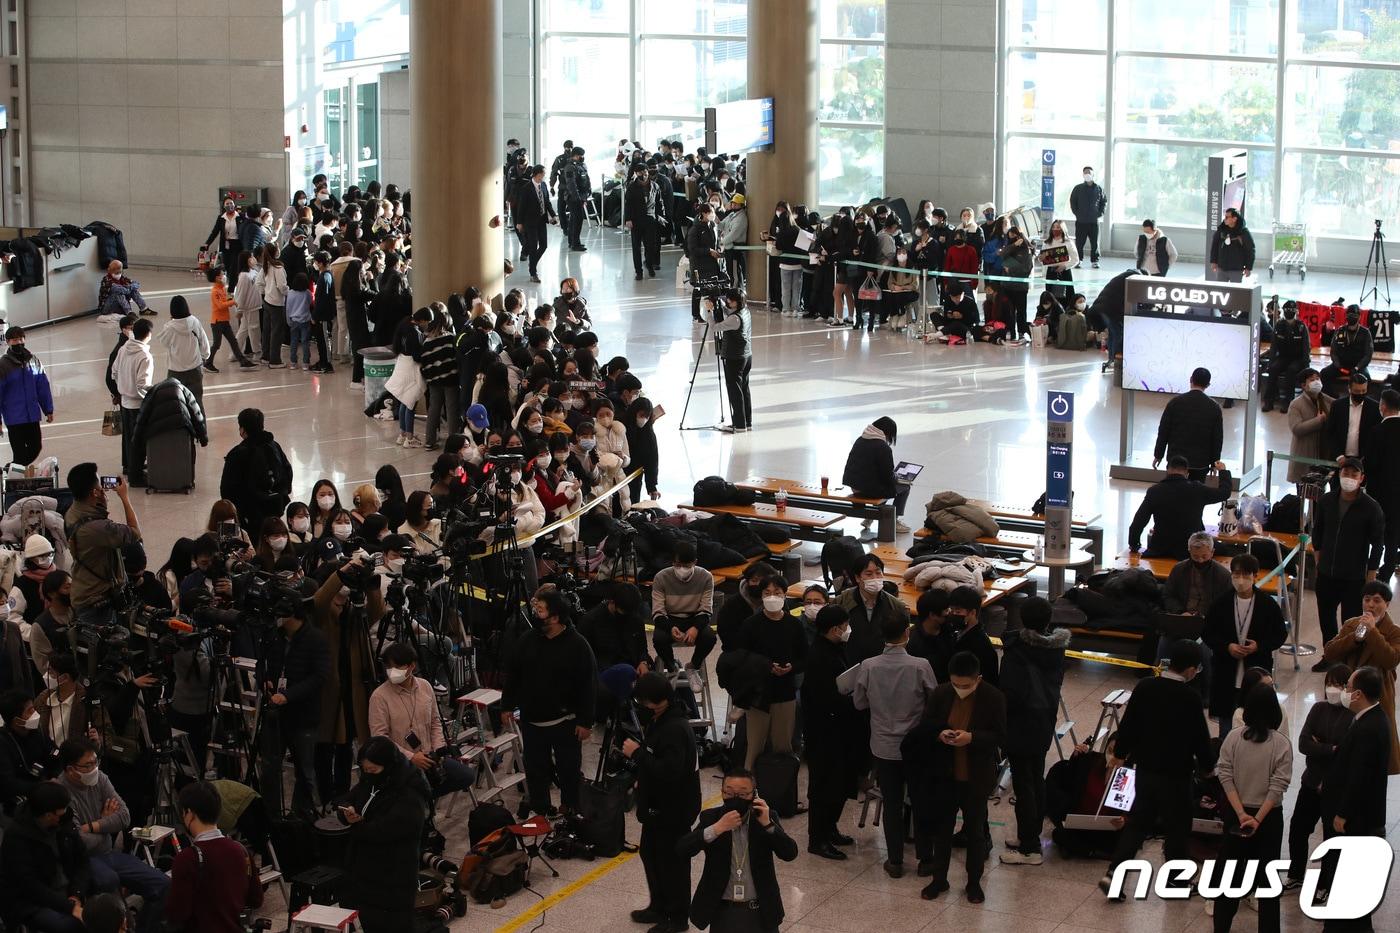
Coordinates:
[569,890]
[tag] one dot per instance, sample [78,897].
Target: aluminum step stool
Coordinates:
[321,917]
[704,700]
[1065,729]
[507,742]
[1110,713]
[871,796]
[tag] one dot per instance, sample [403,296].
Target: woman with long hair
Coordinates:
[273,278]
[324,504]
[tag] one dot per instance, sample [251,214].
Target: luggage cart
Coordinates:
[1290,249]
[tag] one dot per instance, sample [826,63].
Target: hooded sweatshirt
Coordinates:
[134,372]
[25,395]
[184,338]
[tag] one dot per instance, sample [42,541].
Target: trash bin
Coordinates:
[379,366]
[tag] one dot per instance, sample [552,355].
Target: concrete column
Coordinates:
[458,150]
[783,61]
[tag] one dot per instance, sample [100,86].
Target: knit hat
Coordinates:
[477,417]
[36,546]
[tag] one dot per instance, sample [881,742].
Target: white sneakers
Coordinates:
[1017,857]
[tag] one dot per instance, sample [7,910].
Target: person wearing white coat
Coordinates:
[247,304]
[614,455]
[187,344]
[1057,272]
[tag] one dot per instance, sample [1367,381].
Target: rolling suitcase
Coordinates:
[170,463]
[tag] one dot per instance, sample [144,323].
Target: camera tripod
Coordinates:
[1376,270]
[709,288]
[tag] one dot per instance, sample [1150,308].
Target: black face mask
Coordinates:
[739,805]
[1358,399]
[375,780]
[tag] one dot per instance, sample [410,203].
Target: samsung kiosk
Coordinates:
[1171,326]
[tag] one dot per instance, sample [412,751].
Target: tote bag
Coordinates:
[870,289]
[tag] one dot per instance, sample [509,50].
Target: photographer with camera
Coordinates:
[213,880]
[344,692]
[404,709]
[95,542]
[100,813]
[212,556]
[668,801]
[292,674]
[682,606]
[26,754]
[734,327]
[550,686]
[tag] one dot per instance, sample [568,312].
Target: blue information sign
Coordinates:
[1047,180]
[1059,415]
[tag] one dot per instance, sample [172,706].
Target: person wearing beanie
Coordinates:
[831,730]
[187,344]
[26,601]
[25,397]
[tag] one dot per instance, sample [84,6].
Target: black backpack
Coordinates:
[716,490]
[839,556]
[1285,515]
[485,819]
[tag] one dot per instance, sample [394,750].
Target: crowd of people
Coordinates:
[355,641]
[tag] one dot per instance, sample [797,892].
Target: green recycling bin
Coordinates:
[379,366]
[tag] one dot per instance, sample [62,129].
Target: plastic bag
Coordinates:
[1254,514]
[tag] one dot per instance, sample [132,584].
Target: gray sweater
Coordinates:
[1256,771]
[670,596]
[87,808]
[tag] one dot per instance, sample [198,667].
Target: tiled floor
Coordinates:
[972,415]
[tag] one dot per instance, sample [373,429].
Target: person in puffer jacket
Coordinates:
[955,519]
[614,456]
[169,406]
[870,472]
[24,398]
[187,343]
[133,370]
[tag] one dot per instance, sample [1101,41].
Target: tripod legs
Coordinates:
[1376,270]
[694,374]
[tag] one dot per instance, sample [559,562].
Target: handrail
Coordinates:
[531,538]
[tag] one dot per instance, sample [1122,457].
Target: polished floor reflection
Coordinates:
[974,416]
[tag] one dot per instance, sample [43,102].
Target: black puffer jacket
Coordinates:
[169,406]
[381,862]
[41,869]
[1032,672]
[1235,255]
[110,242]
[870,468]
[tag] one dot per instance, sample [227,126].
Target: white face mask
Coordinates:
[543,461]
[810,611]
[277,544]
[773,603]
[326,502]
[395,565]
[586,444]
[963,692]
[684,573]
[873,585]
[535,427]
[397,675]
[642,422]
[1346,697]
[1314,387]
[342,532]
[846,634]
[1334,695]
[1079,306]
[514,478]
[51,681]
[42,563]
[604,421]
[300,525]
[1350,484]
[32,723]
[1088,176]
[89,778]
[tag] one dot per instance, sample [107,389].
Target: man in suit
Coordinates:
[954,753]
[738,890]
[578,188]
[702,248]
[1164,735]
[533,215]
[1383,470]
[1192,426]
[644,211]
[1174,505]
[1353,792]
[668,800]
[1347,431]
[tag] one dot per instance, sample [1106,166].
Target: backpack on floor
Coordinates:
[775,773]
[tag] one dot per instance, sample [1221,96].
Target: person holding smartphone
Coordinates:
[96,541]
[738,888]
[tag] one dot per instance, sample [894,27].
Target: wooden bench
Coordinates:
[1014,518]
[1161,568]
[791,564]
[800,523]
[836,498]
[993,590]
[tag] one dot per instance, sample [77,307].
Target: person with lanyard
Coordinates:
[213,879]
[1242,629]
[404,708]
[738,890]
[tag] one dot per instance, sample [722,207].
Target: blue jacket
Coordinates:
[24,388]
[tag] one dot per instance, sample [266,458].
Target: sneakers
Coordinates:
[247,364]
[1106,884]
[696,681]
[276,365]
[832,322]
[211,368]
[398,441]
[412,440]
[1017,857]
[901,528]
[148,312]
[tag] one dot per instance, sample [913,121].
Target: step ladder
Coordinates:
[1065,729]
[322,917]
[492,778]
[703,724]
[243,699]
[1110,713]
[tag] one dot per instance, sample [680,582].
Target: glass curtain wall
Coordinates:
[1145,91]
[851,109]
[636,69]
